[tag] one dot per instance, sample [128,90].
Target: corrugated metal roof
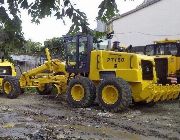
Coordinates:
[145,4]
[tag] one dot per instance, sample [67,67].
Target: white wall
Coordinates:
[101,26]
[141,27]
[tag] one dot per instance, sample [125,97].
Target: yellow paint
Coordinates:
[39,76]
[128,67]
[167,41]
[7,63]
[110,94]
[173,61]
[41,87]
[124,65]
[77,92]
[178,63]
[7,87]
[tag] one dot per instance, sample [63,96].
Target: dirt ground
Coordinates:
[36,117]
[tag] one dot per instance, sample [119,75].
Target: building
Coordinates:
[150,21]
[25,62]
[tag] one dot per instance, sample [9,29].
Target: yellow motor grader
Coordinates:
[6,69]
[114,78]
[166,54]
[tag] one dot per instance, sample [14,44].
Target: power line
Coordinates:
[148,34]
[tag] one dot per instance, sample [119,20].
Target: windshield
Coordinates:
[82,44]
[166,49]
[162,49]
[150,50]
[71,49]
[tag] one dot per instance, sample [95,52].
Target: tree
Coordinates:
[60,8]
[8,40]
[31,47]
[56,46]
[38,9]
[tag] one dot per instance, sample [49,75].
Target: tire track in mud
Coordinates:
[43,116]
[128,126]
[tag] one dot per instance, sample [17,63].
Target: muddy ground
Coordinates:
[36,117]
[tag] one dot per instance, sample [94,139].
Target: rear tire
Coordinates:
[81,92]
[11,87]
[114,94]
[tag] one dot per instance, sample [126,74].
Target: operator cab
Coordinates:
[78,49]
[163,49]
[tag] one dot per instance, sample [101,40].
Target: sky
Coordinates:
[50,27]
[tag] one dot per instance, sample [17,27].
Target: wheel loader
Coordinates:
[114,78]
[166,54]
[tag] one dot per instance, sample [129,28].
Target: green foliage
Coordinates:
[9,42]
[12,43]
[10,22]
[11,36]
[62,9]
[108,9]
[31,47]
[39,9]
[56,47]
[30,90]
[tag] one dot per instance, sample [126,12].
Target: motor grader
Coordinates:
[166,54]
[6,69]
[114,78]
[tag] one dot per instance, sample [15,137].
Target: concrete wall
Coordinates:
[158,21]
[25,62]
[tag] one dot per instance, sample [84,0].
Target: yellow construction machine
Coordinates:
[51,72]
[166,54]
[6,69]
[114,78]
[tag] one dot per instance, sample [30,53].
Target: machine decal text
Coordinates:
[115,59]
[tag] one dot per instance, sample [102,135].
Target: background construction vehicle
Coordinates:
[115,78]
[167,58]
[42,77]
[6,69]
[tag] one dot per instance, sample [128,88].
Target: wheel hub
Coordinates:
[110,94]
[41,87]
[7,87]
[77,92]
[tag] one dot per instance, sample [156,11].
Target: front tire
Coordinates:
[46,89]
[114,94]
[80,92]
[11,87]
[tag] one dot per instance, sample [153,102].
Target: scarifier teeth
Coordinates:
[176,95]
[157,98]
[149,99]
[163,92]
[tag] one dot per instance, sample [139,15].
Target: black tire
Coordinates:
[14,87]
[89,92]
[22,90]
[47,90]
[123,97]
